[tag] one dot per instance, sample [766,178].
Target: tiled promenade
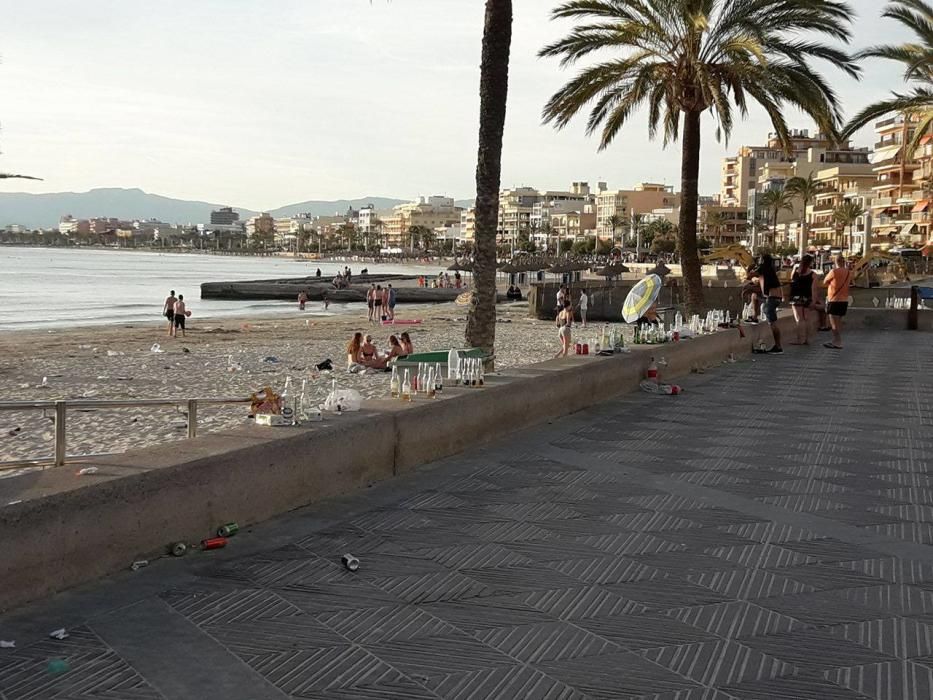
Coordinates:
[765,536]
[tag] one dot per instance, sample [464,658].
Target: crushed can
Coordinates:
[586,348]
[578,348]
[350,562]
[228,530]
[214,543]
[178,549]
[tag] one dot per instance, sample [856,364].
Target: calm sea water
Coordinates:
[55,287]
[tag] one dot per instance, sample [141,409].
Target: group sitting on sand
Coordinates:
[362,353]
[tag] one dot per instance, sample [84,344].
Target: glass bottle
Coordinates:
[301,406]
[430,387]
[406,387]
[438,379]
[395,386]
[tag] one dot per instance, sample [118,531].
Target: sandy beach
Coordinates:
[117,362]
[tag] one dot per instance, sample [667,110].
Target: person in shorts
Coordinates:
[168,310]
[391,300]
[180,314]
[802,293]
[772,294]
[371,301]
[377,304]
[837,282]
[584,305]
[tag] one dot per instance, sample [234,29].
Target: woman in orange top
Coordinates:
[837,282]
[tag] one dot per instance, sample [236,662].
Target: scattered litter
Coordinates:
[123,379]
[228,530]
[4,644]
[185,350]
[13,503]
[44,384]
[214,543]
[88,470]
[179,549]
[651,387]
[84,347]
[271,359]
[59,634]
[13,432]
[350,562]
[57,666]
[114,353]
[89,394]
[139,564]
[156,348]
[325,366]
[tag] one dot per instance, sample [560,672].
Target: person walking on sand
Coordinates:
[302,300]
[564,324]
[168,310]
[326,301]
[181,313]
[802,294]
[837,282]
[773,294]
[371,301]
[583,304]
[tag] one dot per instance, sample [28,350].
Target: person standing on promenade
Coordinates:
[391,302]
[837,283]
[168,310]
[773,294]
[180,313]
[564,324]
[802,293]
[584,305]
[371,301]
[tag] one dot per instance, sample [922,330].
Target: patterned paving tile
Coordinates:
[546,641]
[425,657]
[502,683]
[814,649]
[617,676]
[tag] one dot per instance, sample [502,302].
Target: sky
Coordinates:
[262,103]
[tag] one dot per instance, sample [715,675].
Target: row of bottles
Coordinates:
[428,380]
[608,338]
[297,407]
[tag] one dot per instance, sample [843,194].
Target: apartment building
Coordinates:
[644,199]
[261,225]
[722,224]
[895,186]
[837,185]
[468,224]
[923,196]
[225,216]
[429,212]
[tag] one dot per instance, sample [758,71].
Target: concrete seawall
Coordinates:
[68,530]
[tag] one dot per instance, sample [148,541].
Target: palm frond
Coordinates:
[9,176]
[919,100]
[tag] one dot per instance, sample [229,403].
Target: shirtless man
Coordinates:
[371,301]
[168,310]
[179,311]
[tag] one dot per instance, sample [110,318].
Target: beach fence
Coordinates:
[60,418]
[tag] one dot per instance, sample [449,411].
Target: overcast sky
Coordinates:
[261,103]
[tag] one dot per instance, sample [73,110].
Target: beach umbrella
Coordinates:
[611,270]
[565,266]
[661,270]
[464,299]
[461,266]
[640,298]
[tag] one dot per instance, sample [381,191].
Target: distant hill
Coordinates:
[45,210]
[337,206]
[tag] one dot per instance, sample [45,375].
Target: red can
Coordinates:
[676,336]
[214,543]
[586,348]
[578,348]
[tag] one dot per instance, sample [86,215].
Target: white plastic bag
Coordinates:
[340,400]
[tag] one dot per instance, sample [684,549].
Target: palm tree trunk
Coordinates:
[493,91]
[689,204]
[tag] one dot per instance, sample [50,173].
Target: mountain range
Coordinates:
[45,210]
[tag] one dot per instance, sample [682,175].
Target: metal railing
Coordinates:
[61,407]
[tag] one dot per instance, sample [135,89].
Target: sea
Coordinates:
[48,288]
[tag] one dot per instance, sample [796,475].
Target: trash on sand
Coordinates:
[214,543]
[114,353]
[84,347]
[325,366]
[88,470]
[59,634]
[139,564]
[13,432]
[179,549]
[185,350]
[44,384]
[156,348]
[350,562]
[4,644]
[228,530]
[13,503]
[271,359]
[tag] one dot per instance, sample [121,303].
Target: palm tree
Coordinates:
[493,93]
[774,201]
[615,223]
[684,57]
[846,214]
[806,190]
[417,233]
[917,59]
[713,222]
